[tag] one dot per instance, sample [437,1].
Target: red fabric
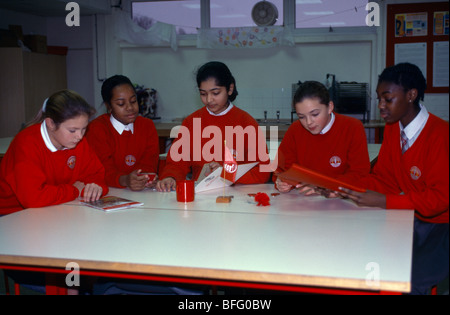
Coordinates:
[419,178]
[200,141]
[341,152]
[122,154]
[32,176]
[262,199]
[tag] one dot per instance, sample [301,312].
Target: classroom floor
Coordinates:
[443,288]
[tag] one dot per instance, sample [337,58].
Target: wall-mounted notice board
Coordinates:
[419,33]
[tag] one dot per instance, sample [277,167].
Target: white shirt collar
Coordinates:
[121,127]
[46,138]
[416,124]
[222,113]
[329,125]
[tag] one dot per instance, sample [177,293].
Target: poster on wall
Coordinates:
[411,24]
[440,23]
[440,64]
[415,53]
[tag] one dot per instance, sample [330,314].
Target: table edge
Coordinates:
[209,274]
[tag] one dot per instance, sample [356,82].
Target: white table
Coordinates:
[297,241]
[4,144]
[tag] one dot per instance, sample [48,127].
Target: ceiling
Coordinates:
[56,7]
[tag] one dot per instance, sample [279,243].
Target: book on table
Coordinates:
[297,174]
[112,203]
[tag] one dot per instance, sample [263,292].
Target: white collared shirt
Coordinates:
[121,127]
[46,138]
[222,113]
[329,125]
[415,127]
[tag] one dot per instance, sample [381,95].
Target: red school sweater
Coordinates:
[122,154]
[206,144]
[419,178]
[341,152]
[32,176]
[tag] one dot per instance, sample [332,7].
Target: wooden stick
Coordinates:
[223,165]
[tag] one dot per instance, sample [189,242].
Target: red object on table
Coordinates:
[262,199]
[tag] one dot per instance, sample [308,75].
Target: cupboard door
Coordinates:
[43,75]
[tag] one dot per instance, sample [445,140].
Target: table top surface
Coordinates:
[296,240]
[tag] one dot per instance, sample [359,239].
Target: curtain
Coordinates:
[158,34]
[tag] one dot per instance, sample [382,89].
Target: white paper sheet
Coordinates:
[214,181]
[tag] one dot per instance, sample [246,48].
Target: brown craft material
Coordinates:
[224,199]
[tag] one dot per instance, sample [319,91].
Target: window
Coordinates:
[184,14]
[238,13]
[326,13]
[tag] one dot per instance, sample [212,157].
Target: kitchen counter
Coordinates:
[164,128]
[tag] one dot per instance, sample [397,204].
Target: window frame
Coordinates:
[289,18]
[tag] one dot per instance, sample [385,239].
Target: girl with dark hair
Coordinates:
[126,143]
[50,162]
[217,88]
[412,171]
[322,140]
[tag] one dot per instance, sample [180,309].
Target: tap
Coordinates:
[265,116]
[278,116]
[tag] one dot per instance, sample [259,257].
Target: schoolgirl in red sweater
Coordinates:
[50,162]
[208,127]
[413,172]
[322,140]
[127,144]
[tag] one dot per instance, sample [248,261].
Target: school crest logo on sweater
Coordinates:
[335,161]
[415,172]
[130,160]
[71,162]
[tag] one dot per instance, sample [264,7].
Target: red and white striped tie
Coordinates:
[404,141]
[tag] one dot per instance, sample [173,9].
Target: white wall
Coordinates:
[264,77]
[80,56]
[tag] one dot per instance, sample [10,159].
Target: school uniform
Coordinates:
[123,149]
[33,173]
[207,132]
[339,151]
[418,179]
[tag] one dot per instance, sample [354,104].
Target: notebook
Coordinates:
[297,174]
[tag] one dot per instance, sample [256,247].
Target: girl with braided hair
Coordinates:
[412,171]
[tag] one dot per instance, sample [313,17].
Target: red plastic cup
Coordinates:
[185,190]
